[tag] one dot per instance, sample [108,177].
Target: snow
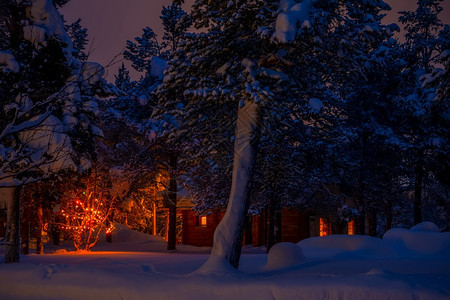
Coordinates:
[8,62]
[217,266]
[157,67]
[316,105]
[47,22]
[91,106]
[425,226]
[444,54]
[137,266]
[291,15]
[422,240]
[284,255]
[48,138]
[143,100]
[96,131]
[345,246]
[228,231]
[36,35]
[436,142]
[418,243]
[92,73]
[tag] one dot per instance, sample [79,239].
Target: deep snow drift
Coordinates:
[405,264]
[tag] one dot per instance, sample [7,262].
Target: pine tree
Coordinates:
[48,101]
[60,3]
[79,37]
[148,55]
[292,74]
[423,47]
[214,80]
[421,27]
[141,53]
[176,22]
[123,79]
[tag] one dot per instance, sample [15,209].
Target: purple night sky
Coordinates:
[111,22]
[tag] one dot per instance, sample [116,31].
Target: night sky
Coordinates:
[111,22]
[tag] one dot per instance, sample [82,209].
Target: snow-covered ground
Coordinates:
[405,264]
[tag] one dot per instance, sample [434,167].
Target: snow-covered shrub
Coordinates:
[422,239]
[345,245]
[284,255]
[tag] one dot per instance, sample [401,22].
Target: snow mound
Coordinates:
[216,265]
[426,226]
[421,240]
[126,239]
[123,234]
[345,245]
[61,251]
[284,255]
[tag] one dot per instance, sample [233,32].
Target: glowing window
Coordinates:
[351,227]
[325,227]
[203,221]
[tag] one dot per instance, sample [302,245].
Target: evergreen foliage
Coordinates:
[48,101]
[79,38]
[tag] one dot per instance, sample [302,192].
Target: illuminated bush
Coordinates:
[85,214]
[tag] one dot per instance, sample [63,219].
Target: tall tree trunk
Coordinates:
[108,234]
[418,187]
[277,229]
[173,186]
[229,233]
[55,233]
[154,218]
[25,233]
[270,225]
[25,210]
[362,223]
[13,225]
[40,219]
[389,217]
[273,224]
[372,223]
[248,237]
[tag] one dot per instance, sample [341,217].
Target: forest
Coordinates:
[246,106]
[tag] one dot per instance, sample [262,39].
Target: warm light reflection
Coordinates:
[325,227]
[351,227]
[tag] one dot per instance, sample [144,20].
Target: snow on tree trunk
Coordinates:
[229,233]
[11,197]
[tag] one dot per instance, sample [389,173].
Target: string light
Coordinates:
[82,218]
